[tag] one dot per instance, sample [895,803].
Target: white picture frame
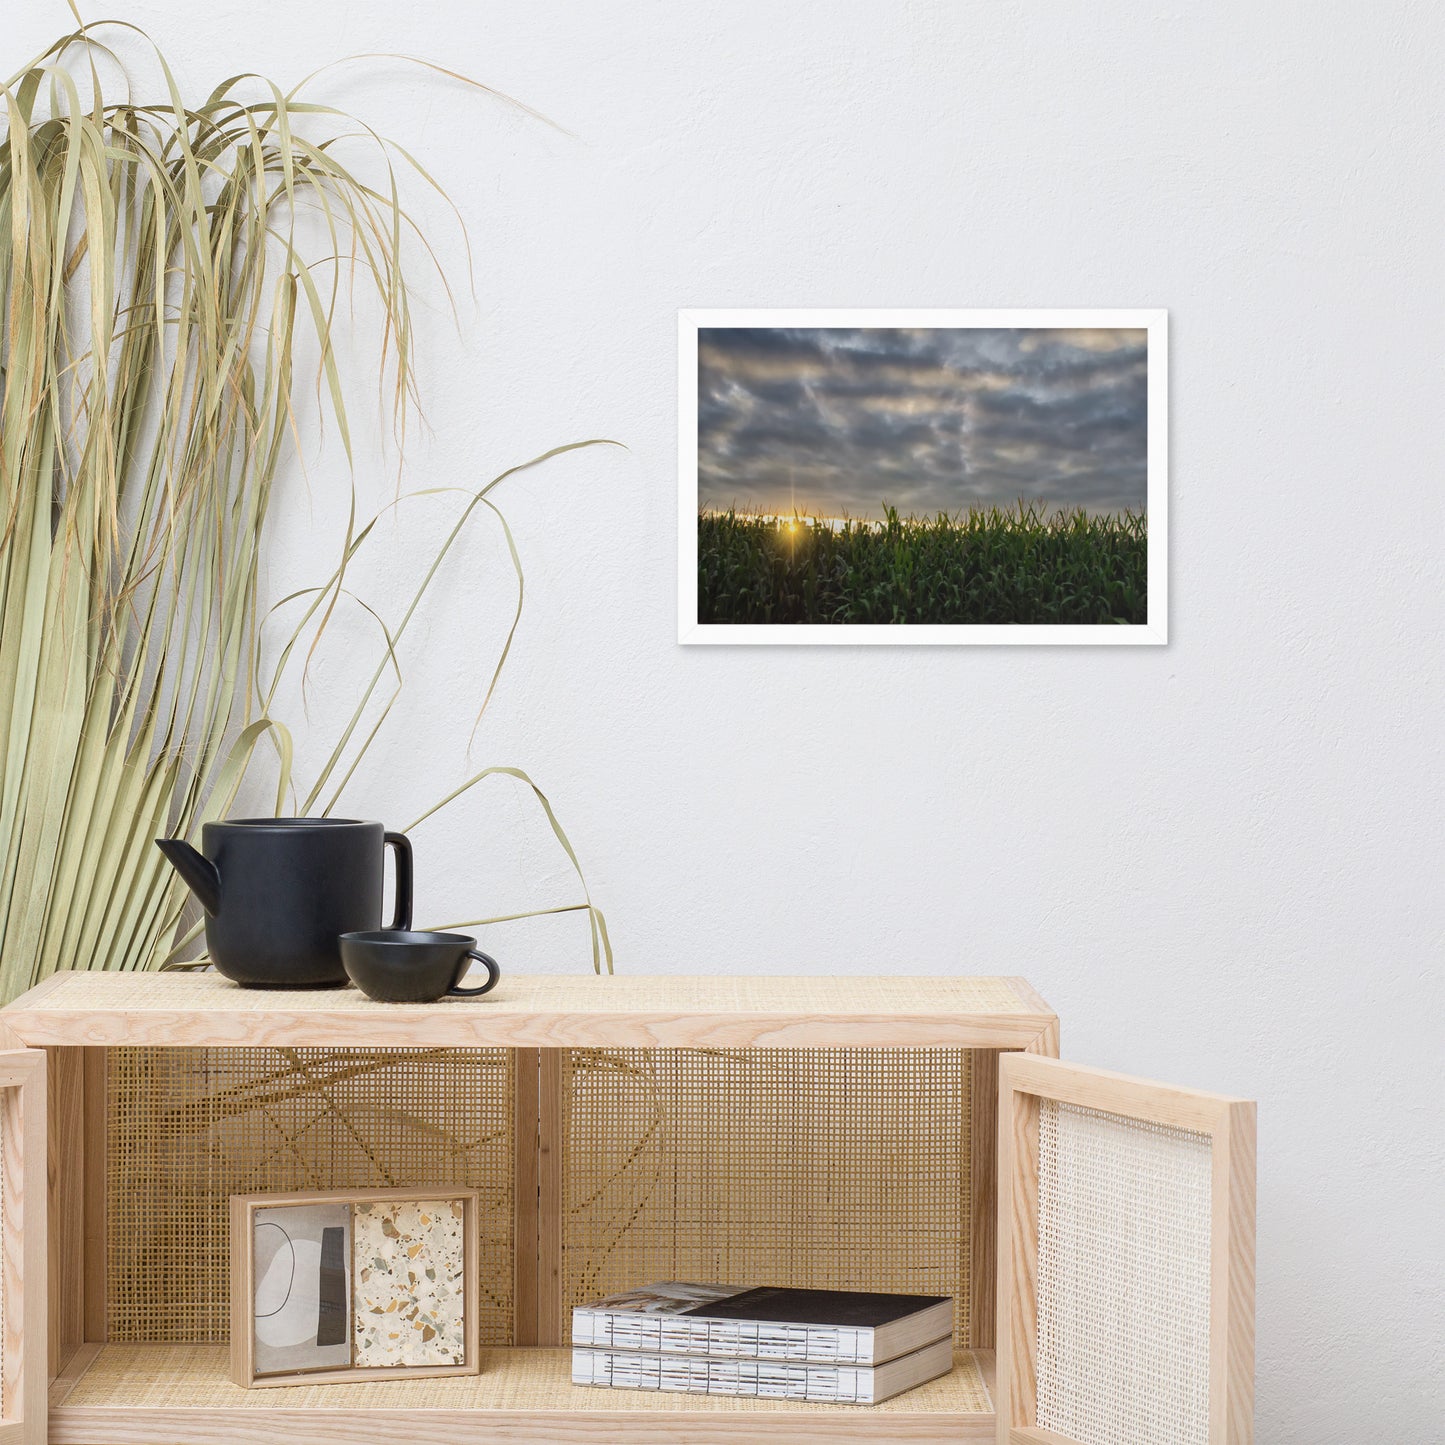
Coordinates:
[1153,632]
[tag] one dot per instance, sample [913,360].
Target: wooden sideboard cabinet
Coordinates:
[909,1134]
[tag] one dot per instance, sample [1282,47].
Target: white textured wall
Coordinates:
[1221,861]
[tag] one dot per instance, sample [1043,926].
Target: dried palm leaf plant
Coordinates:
[156,296]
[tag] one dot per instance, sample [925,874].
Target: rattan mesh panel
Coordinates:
[187,1128]
[1123,1280]
[828,1168]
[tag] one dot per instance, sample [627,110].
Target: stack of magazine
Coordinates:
[829,1346]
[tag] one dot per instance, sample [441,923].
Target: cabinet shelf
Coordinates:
[181,1395]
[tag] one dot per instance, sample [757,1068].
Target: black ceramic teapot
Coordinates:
[279,891]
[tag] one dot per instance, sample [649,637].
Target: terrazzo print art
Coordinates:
[409,1294]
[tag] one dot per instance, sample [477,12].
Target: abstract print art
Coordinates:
[303,1268]
[330,1286]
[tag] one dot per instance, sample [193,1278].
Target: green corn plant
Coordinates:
[988,565]
[156,293]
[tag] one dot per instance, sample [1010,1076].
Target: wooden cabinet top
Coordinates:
[540,1011]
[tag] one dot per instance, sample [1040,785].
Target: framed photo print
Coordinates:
[923,476]
[353,1286]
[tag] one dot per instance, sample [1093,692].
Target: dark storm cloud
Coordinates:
[837,420]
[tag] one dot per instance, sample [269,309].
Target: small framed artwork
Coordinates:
[353,1286]
[923,476]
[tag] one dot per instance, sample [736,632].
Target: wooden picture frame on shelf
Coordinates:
[335,1278]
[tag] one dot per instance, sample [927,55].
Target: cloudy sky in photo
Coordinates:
[833,420]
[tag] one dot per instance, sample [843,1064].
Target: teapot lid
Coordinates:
[289,823]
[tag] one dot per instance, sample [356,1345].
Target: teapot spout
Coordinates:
[199,873]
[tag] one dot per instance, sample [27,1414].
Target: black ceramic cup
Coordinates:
[393,965]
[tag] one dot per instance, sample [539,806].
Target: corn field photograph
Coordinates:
[985,477]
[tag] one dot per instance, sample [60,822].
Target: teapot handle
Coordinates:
[402,844]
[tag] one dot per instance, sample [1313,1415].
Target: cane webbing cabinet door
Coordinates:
[1126,1260]
[23,1259]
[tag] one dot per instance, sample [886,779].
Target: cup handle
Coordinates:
[402,845]
[494,972]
